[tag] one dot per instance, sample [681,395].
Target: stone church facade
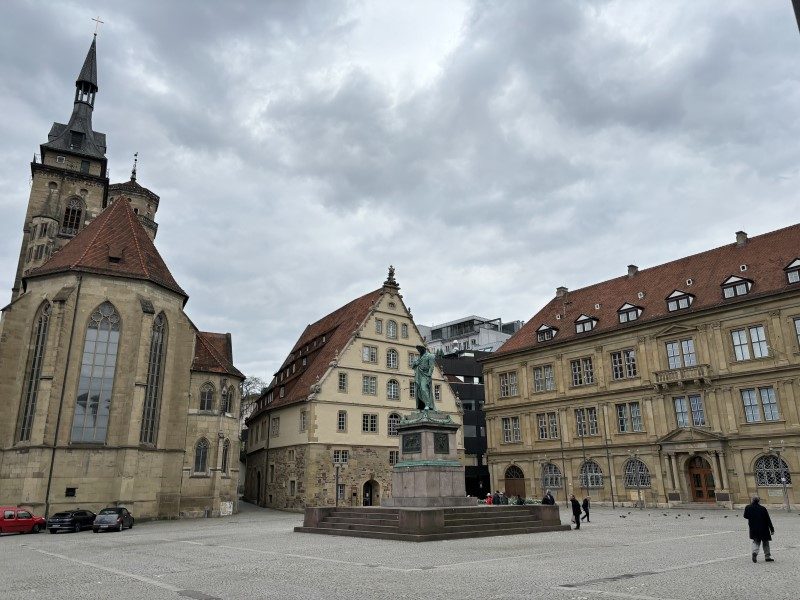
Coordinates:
[674,384]
[334,405]
[112,396]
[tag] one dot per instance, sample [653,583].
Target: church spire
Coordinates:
[86,84]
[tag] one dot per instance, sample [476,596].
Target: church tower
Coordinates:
[69,178]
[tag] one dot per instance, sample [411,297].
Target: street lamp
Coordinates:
[638,473]
[777,451]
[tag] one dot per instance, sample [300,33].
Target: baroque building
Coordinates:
[674,384]
[327,423]
[111,393]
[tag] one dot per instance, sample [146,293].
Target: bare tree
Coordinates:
[251,390]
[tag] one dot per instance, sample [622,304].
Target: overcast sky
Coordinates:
[491,151]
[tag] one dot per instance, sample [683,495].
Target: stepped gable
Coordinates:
[337,329]
[213,353]
[765,256]
[115,244]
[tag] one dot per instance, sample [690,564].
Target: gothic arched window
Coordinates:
[551,476]
[392,360]
[394,421]
[514,472]
[226,449]
[207,397]
[393,390]
[155,374]
[391,330]
[224,401]
[637,475]
[769,471]
[201,456]
[72,217]
[34,371]
[591,475]
[93,404]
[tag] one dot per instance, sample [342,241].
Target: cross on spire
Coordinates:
[97,24]
[135,161]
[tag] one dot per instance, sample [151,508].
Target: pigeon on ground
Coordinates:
[701,518]
[629,512]
[726,516]
[665,514]
[623,517]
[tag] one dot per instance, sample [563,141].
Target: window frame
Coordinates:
[678,297]
[151,408]
[585,324]
[630,312]
[545,333]
[392,420]
[546,381]
[33,371]
[369,385]
[369,423]
[392,359]
[747,346]
[507,384]
[369,354]
[623,364]
[204,445]
[591,479]
[756,410]
[734,285]
[391,329]
[342,382]
[586,415]
[547,425]
[682,353]
[582,370]
[512,434]
[393,389]
[341,421]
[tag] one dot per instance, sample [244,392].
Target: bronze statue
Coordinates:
[423,367]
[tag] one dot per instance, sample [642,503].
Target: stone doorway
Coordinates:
[371,490]
[701,480]
[514,482]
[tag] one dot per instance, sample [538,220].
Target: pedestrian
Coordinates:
[503,498]
[576,511]
[548,499]
[520,501]
[489,500]
[496,498]
[761,528]
[586,509]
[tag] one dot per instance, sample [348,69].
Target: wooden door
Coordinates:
[701,480]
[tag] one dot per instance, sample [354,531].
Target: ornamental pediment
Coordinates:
[682,435]
[673,330]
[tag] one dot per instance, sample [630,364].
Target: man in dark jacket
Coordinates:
[548,499]
[761,528]
[576,510]
[496,498]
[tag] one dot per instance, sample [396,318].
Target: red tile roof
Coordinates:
[765,256]
[114,235]
[213,353]
[336,328]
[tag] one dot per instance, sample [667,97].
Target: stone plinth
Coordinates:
[429,473]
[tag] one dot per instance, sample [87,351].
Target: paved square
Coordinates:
[255,554]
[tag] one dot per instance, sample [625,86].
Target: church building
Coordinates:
[325,430]
[112,396]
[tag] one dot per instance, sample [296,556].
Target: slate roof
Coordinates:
[88,72]
[115,243]
[213,353]
[765,257]
[337,328]
[132,187]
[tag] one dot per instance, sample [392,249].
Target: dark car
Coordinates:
[71,520]
[113,518]
[19,519]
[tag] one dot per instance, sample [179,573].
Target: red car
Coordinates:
[15,519]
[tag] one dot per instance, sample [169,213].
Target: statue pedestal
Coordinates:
[429,473]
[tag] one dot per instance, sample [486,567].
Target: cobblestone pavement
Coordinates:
[649,555]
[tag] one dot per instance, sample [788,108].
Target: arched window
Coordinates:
[201,456]
[226,449]
[393,390]
[207,397]
[391,330]
[93,404]
[637,475]
[514,472]
[155,374]
[769,471]
[231,398]
[404,330]
[72,217]
[394,421]
[551,476]
[34,371]
[591,475]
[392,360]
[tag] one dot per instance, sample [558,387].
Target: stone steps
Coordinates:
[489,520]
[356,521]
[447,535]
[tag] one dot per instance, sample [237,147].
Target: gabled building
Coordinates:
[111,394]
[673,384]
[326,425]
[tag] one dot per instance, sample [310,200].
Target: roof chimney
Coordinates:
[632,270]
[561,291]
[741,238]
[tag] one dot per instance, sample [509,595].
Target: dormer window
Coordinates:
[679,300]
[793,271]
[545,333]
[584,324]
[629,312]
[736,286]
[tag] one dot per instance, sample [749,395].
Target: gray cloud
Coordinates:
[491,151]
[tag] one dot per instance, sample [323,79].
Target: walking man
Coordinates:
[548,498]
[576,510]
[586,509]
[761,528]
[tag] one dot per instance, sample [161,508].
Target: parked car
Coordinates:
[15,519]
[71,520]
[113,518]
